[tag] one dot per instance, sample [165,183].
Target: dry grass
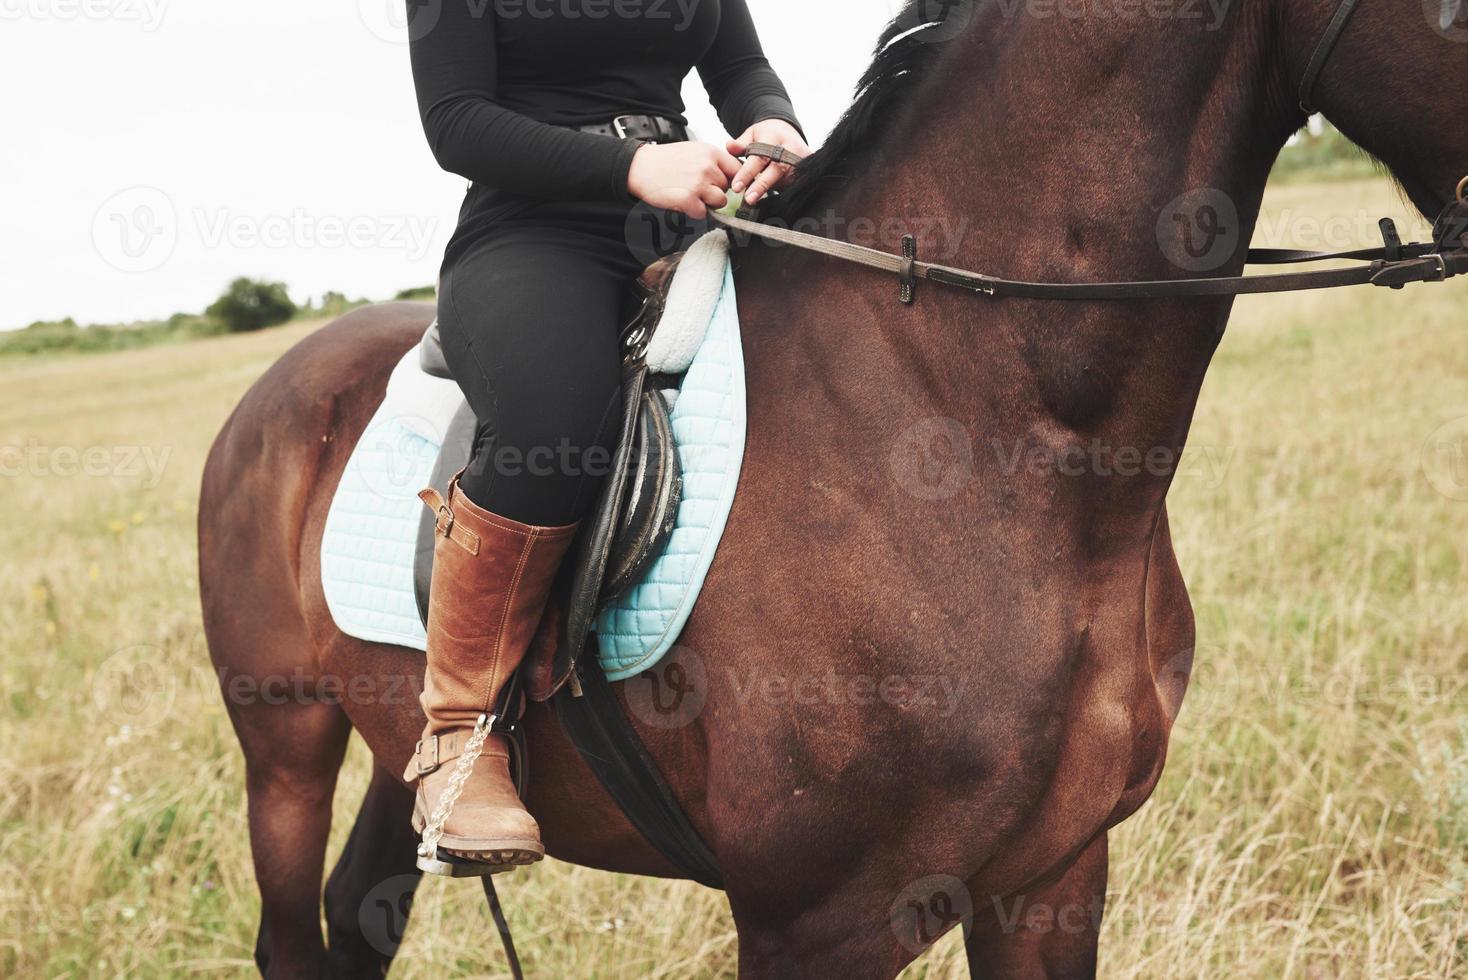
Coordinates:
[1313,820]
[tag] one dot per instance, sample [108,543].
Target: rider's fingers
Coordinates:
[713,197]
[727,162]
[694,206]
[771,177]
[747,173]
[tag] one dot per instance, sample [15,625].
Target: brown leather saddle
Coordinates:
[634,514]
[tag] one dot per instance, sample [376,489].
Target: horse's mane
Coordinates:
[905,55]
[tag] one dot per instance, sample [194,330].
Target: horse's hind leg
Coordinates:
[293,740]
[370,891]
[1047,933]
[293,750]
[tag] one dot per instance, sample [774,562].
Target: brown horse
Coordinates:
[946,638]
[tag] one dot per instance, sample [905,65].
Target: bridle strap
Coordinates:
[1323,51]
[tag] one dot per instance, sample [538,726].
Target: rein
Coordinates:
[1393,265]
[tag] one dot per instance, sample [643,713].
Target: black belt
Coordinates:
[659,129]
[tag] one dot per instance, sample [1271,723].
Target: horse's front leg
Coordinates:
[1050,932]
[847,934]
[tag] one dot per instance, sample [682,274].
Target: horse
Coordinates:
[919,500]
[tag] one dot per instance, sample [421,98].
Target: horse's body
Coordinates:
[965,495]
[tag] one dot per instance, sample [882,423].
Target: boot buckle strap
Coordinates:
[433,752]
[445,525]
[423,768]
[430,755]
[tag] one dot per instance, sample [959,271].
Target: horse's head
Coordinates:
[1392,79]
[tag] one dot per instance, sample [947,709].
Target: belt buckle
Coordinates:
[619,127]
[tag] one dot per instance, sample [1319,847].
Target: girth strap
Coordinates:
[598,726]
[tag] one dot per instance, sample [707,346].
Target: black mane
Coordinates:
[905,54]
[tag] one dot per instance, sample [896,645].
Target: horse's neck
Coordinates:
[1051,155]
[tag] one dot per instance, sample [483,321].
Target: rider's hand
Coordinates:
[685,177]
[760,174]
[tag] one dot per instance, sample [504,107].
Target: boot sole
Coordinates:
[503,857]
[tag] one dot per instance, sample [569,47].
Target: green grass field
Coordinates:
[1312,822]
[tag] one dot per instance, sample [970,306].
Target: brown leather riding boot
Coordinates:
[491,579]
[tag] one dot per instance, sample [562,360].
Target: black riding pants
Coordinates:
[529,307]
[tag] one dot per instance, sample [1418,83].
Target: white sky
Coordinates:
[152,150]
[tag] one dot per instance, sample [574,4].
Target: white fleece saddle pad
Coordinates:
[368,547]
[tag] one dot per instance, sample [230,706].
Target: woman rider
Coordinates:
[563,114]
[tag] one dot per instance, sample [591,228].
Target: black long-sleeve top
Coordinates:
[499,80]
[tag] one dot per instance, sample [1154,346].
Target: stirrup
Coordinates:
[449,865]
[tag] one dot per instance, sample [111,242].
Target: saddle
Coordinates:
[634,514]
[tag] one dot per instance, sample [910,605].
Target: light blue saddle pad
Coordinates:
[371,531]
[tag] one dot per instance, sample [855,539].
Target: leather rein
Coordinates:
[1393,265]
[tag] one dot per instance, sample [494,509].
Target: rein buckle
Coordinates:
[908,289]
[1442,269]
